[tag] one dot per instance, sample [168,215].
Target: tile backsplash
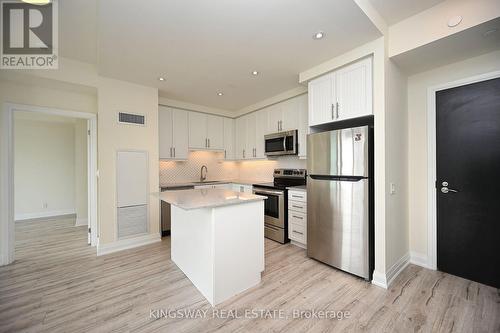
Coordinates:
[218,169]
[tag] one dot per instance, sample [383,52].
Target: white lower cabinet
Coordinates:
[297,217]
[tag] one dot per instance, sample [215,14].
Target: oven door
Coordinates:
[274,206]
[284,143]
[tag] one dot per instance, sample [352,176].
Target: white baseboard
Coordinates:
[379,279]
[81,221]
[129,243]
[385,280]
[39,215]
[419,259]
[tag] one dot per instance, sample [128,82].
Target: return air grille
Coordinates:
[129,118]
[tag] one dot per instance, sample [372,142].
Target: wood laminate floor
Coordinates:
[57,284]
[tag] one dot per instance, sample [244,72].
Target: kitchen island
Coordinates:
[217,239]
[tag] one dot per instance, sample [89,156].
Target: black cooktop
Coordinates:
[284,178]
[272,186]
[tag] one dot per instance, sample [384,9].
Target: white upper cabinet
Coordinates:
[173,133]
[290,114]
[321,102]
[354,90]
[198,130]
[180,140]
[261,120]
[241,137]
[275,117]
[206,131]
[251,123]
[215,132]
[343,94]
[165,132]
[229,144]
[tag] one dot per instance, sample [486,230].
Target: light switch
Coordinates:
[392,188]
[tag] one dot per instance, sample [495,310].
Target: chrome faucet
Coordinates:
[203,177]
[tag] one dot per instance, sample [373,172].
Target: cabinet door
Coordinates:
[180,138]
[354,90]
[165,132]
[229,143]
[290,111]
[321,91]
[251,133]
[260,130]
[303,128]
[197,130]
[215,132]
[275,116]
[241,137]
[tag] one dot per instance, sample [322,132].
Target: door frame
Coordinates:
[432,160]
[7,228]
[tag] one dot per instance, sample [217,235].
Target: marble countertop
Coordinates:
[206,198]
[213,182]
[302,188]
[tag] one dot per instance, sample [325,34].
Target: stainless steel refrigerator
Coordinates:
[338,199]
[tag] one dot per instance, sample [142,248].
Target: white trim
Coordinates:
[7,234]
[128,243]
[379,279]
[81,221]
[385,280]
[431,160]
[41,215]
[302,246]
[419,259]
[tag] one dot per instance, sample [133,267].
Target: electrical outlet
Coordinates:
[392,188]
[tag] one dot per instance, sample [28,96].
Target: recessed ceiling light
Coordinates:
[454,21]
[220,93]
[319,35]
[255,73]
[161,78]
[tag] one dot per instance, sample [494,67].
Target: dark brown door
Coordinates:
[468,181]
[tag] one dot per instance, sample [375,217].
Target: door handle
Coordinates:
[445,189]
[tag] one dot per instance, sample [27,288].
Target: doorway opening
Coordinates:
[49,166]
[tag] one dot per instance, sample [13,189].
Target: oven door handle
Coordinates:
[268,192]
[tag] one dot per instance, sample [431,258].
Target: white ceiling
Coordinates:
[203,47]
[394,11]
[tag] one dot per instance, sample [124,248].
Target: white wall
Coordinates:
[417,137]
[396,168]
[81,184]
[115,96]
[44,168]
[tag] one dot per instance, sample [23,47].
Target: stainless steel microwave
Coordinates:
[282,143]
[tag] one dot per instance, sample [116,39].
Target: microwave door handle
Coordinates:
[284,143]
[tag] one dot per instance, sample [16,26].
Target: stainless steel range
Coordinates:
[276,206]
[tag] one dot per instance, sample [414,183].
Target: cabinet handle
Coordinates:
[298,217]
[243,153]
[333,111]
[337,110]
[294,206]
[208,143]
[174,151]
[225,154]
[298,232]
[170,151]
[297,196]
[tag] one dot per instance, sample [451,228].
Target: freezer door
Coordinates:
[342,152]
[337,223]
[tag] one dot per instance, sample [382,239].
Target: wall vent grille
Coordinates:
[129,118]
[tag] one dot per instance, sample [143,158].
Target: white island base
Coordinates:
[220,249]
